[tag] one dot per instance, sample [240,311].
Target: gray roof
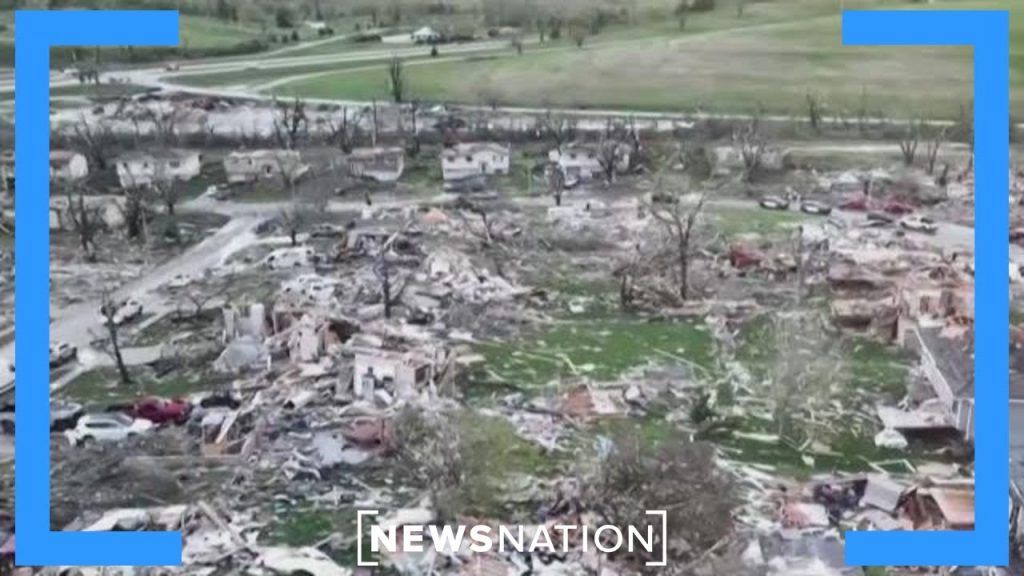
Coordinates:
[954,357]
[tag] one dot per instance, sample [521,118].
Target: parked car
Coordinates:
[327,230]
[124,312]
[290,258]
[877,220]
[898,208]
[919,224]
[812,207]
[774,203]
[855,205]
[162,410]
[108,427]
[7,423]
[129,311]
[61,353]
[64,415]
[172,67]
[1017,236]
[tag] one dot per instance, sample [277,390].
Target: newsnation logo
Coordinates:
[484,538]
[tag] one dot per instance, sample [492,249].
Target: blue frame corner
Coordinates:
[34,33]
[988,32]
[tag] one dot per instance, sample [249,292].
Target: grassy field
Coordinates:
[200,37]
[772,57]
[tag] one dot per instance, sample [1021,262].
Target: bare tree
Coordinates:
[750,146]
[295,216]
[136,212]
[909,142]
[396,80]
[344,130]
[934,145]
[109,310]
[679,219]
[97,140]
[391,287]
[291,123]
[293,220]
[807,363]
[164,120]
[429,445]
[556,182]
[815,110]
[199,298]
[610,156]
[484,231]
[86,221]
[414,147]
[635,474]
[557,127]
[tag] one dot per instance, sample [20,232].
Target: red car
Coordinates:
[162,410]
[898,208]
[855,205]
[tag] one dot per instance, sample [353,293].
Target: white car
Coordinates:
[290,258]
[110,427]
[919,224]
[62,353]
[129,310]
[774,203]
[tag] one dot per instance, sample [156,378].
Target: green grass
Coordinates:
[99,91]
[736,221]
[257,76]
[102,386]
[876,373]
[781,51]
[493,455]
[602,349]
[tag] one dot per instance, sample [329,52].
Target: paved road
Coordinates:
[79,324]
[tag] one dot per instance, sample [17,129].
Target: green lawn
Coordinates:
[101,386]
[778,52]
[602,349]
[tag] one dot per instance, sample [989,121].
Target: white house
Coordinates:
[474,159]
[380,164]
[67,166]
[252,165]
[144,168]
[426,35]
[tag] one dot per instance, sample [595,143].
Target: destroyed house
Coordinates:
[390,374]
[475,159]
[67,166]
[379,164]
[947,361]
[144,168]
[254,165]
